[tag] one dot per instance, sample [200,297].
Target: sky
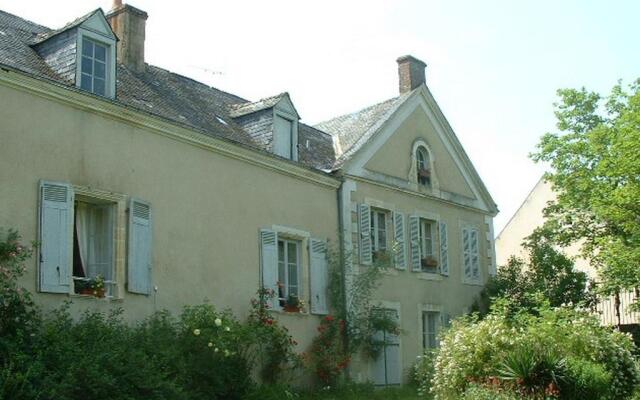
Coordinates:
[493,66]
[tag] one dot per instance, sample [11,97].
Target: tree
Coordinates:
[545,275]
[595,172]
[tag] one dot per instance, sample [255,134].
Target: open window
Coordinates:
[82,234]
[423,166]
[93,247]
[288,272]
[379,234]
[429,245]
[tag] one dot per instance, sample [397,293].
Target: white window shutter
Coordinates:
[140,256]
[401,247]
[319,276]
[444,249]
[56,236]
[414,233]
[269,263]
[365,234]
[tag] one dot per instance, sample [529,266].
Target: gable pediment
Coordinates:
[97,23]
[389,154]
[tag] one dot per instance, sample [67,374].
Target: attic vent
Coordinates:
[55,193]
[140,210]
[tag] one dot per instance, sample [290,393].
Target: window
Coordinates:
[288,269]
[423,166]
[81,234]
[93,72]
[429,245]
[430,329]
[429,261]
[93,250]
[470,254]
[282,137]
[378,233]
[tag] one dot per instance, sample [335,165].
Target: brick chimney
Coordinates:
[128,23]
[411,73]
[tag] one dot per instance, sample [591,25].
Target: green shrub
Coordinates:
[477,392]
[585,380]
[477,351]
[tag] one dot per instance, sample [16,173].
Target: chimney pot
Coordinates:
[128,23]
[411,73]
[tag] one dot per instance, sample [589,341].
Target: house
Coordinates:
[175,192]
[613,311]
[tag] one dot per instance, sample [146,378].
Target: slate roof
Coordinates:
[160,92]
[351,131]
[238,110]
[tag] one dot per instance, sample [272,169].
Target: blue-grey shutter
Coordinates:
[466,253]
[444,249]
[365,234]
[140,240]
[56,236]
[475,256]
[269,263]
[400,245]
[319,276]
[414,235]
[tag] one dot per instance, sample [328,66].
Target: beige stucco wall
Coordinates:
[394,158]
[207,207]
[413,290]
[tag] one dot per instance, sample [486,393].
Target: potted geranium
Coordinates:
[292,304]
[424,173]
[92,287]
[429,262]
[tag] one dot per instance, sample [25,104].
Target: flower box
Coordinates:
[424,173]
[429,262]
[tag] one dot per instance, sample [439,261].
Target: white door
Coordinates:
[387,368]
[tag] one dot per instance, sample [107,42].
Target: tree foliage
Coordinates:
[546,274]
[595,172]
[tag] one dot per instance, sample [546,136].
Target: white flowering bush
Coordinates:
[475,352]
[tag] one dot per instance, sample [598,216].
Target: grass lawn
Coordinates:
[366,392]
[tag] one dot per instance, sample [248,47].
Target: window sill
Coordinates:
[473,283]
[427,276]
[294,314]
[88,296]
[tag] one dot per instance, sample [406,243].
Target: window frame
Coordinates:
[375,214]
[286,265]
[110,284]
[110,60]
[425,163]
[429,337]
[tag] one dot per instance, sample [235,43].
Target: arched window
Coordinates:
[423,169]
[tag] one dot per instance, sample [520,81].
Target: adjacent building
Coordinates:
[615,310]
[176,193]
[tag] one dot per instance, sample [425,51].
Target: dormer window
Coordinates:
[93,73]
[283,137]
[423,169]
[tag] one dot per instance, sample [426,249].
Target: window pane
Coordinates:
[293,278]
[292,252]
[87,65]
[100,70]
[280,251]
[87,48]
[100,52]
[85,82]
[98,86]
